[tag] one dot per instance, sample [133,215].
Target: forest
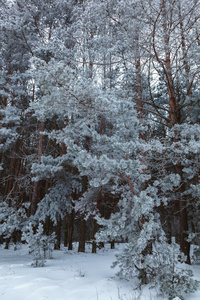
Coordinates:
[100,132]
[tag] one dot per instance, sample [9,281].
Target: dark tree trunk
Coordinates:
[94,244]
[183,217]
[112,245]
[184,245]
[71,227]
[81,246]
[7,243]
[47,225]
[66,228]
[58,235]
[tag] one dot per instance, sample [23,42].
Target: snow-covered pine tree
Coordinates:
[14,126]
[89,80]
[27,31]
[171,178]
[40,245]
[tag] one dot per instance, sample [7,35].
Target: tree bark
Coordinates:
[71,228]
[94,244]
[66,228]
[81,246]
[58,234]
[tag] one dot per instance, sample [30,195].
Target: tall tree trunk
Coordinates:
[71,228]
[167,67]
[183,217]
[66,228]
[94,244]
[138,75]
[58,234]
[81,246]
[175,116]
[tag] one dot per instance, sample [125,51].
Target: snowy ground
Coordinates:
[69,276]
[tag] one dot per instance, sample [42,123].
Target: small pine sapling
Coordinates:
[171,276]
[40,245]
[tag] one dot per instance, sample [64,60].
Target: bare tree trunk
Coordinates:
[138,75]
[66,228]
[183,217]
[94,244]
[58,234]
[71,227]
[7,243]
[81,246]
[167,68]
[175,116]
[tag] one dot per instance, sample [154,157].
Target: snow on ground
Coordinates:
[69,276]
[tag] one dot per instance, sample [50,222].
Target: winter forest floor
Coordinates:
[69,276]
